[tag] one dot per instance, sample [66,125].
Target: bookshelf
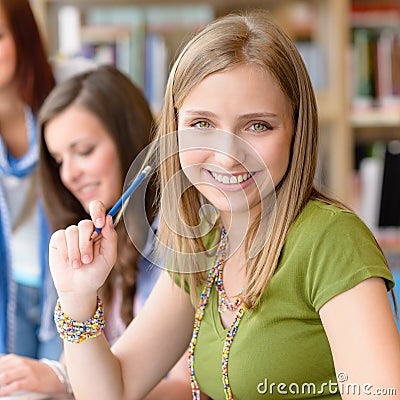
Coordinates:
[319,26]
[375,116]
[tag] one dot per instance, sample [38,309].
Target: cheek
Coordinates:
[107,165]
[281,162]
[111,167]
[8,51]
[115,187]
[276,158]
[113,184]
[193,163]
[193,158]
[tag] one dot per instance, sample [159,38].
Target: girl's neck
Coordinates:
[10,102]
[13,129]
[237,225]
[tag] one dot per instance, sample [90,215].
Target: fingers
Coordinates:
[73,244]
[13,373]
[59,245]
[13,387]
[72,241]
[108,230]
[85,246]
[108,242]
[97,212]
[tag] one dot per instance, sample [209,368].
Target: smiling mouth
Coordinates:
[231,179]
[87,189]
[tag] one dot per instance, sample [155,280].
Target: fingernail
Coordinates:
[86,259]
[99,222]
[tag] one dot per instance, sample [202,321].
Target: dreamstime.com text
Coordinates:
[342,386]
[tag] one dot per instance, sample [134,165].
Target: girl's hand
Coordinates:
[79,263]
[20,373]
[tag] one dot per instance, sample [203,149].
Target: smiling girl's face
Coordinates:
[86,154]
[244,124]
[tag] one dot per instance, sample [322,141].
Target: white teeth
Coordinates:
[231,180]
[87,189]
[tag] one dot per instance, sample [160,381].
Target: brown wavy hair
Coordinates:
[34,75]
[122,109]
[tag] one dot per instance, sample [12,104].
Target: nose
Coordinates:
[229,150]
[69,171]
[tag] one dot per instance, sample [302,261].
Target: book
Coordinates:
[376,56]
[390,197]
[107,44]
[374,14]
[364,42]
[156,70]
[156,34]
[129,47]
[314,58]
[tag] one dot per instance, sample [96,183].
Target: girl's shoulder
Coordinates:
[329,226]
[319,215]
[332,250]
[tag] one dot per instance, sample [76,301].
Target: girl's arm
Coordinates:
[176,386]
[150,346]
[143,355]
[365,342]
[21,373]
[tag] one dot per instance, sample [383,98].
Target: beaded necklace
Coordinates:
[223,301]
[216,274]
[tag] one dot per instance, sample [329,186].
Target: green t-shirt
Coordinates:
[281,350]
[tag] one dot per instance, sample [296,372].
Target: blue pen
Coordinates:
[127,193]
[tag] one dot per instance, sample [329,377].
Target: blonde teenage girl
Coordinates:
[295,303]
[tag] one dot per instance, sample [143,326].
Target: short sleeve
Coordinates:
[345,254]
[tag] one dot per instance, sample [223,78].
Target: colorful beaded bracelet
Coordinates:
[77,332]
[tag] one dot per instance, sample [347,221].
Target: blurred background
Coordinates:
[350,47]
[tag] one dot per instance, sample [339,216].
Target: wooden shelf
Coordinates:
[375,119]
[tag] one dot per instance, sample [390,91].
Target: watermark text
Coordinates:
[342,386]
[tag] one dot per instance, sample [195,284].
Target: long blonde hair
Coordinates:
[234,40]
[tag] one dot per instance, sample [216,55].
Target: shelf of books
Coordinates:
[375,118]
[375,60]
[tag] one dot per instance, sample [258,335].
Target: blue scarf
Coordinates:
[9,166]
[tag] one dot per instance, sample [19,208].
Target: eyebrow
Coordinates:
[203,113]
[210,114]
